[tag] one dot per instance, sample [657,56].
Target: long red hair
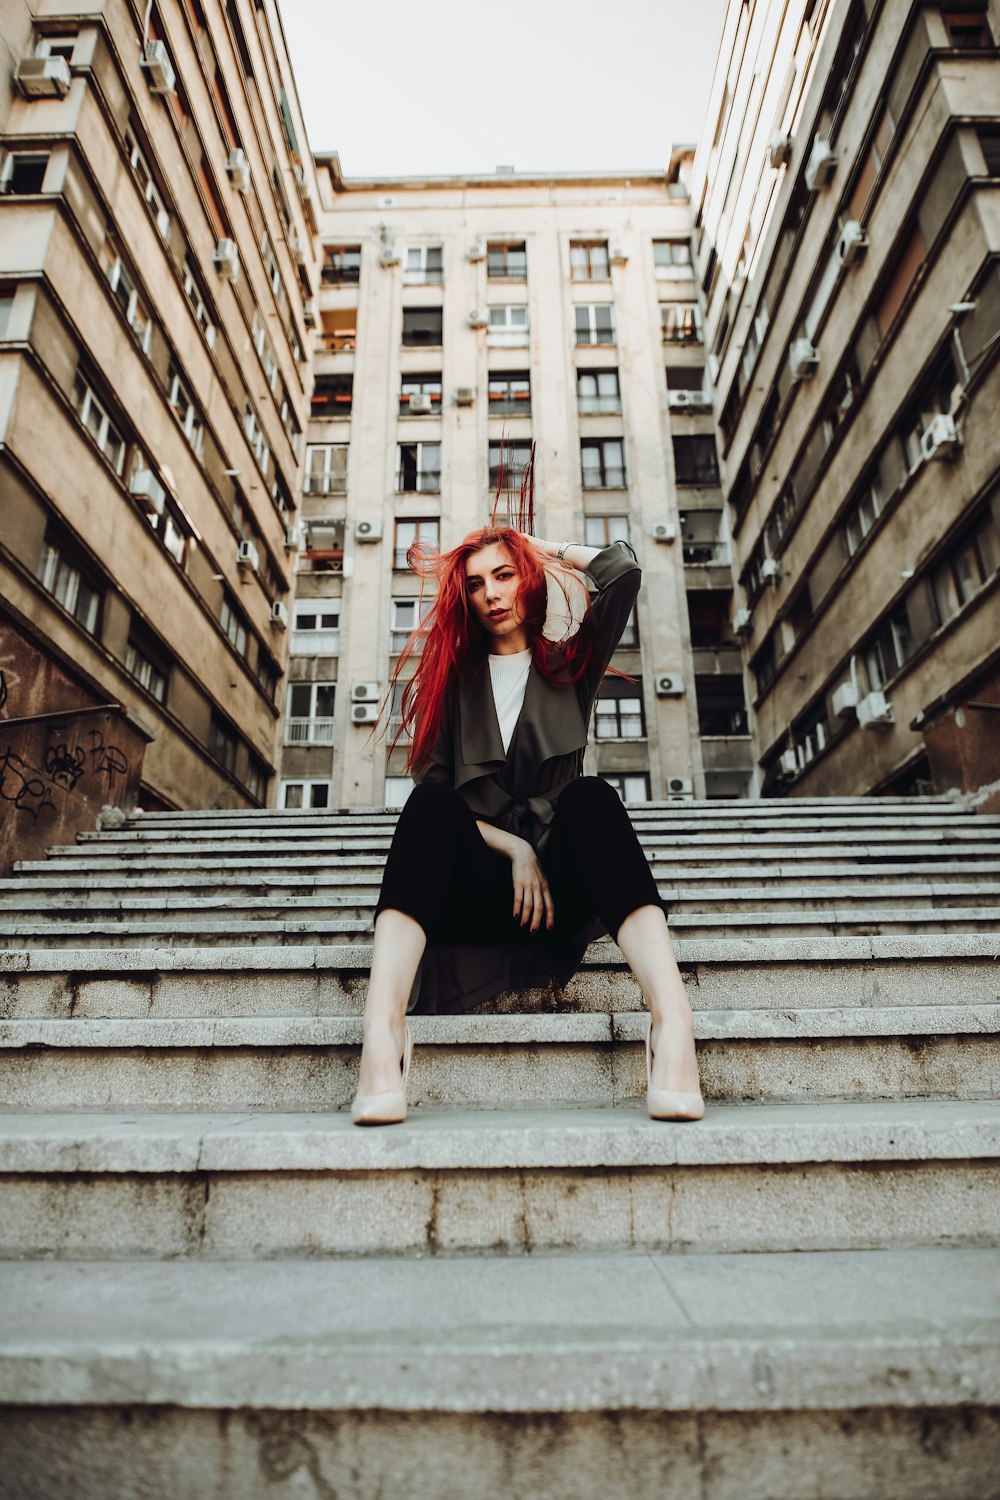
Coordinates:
[450,638]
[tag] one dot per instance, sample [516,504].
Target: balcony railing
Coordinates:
[512,272]
[315,642]
[322,560]
[595,336]
[509,406]
[507,338]
[706,554]
[424,276]
[399,638]
[607,479]
[340,275]
[722,722]
[599,405]
[338,340]
[308,731]
[325,484]
[675,335]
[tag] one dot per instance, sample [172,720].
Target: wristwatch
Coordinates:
[561,550]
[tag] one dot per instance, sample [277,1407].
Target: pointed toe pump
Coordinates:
[388,1107]
[668,1104]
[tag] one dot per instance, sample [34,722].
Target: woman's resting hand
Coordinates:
[532,899]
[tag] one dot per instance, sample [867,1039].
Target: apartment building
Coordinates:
[460,314]
[157,274]
[845,197]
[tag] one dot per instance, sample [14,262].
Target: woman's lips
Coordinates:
[499,614]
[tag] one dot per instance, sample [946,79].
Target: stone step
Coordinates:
[749,1177]
[721,974]
[296,1063]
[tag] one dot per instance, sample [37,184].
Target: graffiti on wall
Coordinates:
[86,762]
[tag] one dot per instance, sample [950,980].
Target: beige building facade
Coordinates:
[845,197]
[157,273]
[458,313]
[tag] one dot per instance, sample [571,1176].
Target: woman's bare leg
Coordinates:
[645,943]
[398,948]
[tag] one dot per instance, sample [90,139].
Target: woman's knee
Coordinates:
[431,799]
[590,792]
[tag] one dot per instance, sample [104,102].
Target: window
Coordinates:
[341,265]
[506,261]
[681,322]
[95,418]
[332,396]
[222,741]
[603,462]
[510,394]
[396,696]
[339,330]
[397,789]
[890,649]
[147,187]
[56,46]
[419,467]
[507,463]
[24,172]
[601,531]
[267,673]
[255,780]
[419,385]
[967,27]
[199,306]
[989,144]
[185,411]
[588,260]
[149,672]
[508,326]
[863,514]
[721,705]
[406,615]
[122,284]
[326,469]
[6,308]
[595,323]
[630,788]
[273,271]
[68,580]
[424,266]
[233,623]
[618,712]
[685,377]
[310,713]
[426,530]
[597,392]
[265,353]
[254,430]
[695,460]
[316,627]
[422,327]
[312,794]
[239,38]
[934,399]
[629,638]
[672,259]
[765,665]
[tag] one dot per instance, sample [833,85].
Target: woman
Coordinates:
[507,861]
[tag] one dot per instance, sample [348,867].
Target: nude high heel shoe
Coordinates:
[668,1104]
[389,1106]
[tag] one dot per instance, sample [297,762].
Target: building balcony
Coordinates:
[713,660]
[509,406]
[730,752]
[308,731]
[706,554]
[321,560]
[315,643]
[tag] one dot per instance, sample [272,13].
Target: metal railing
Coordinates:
[308,731]
[507,272]
[507,338]
[509,406]
[340,275]
[702,554]
[599,405]
[424,276]
[315,643]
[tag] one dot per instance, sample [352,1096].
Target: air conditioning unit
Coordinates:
[159,67]
[388,256]
[247,556]
[940,438]
[821,165]
[875,711]
[770,570]
[43,77]
[145,486]
[239,170]
[293,538]
[803,359]
[364,692]
[465,395]
[477,250]
[309,312]
[420,405]
[670,685]
[844,700]
[689,401]
[680,789]
[663,531]
[227,259]
[779,152]
[852,243]
[297,248]
[368,531]
[743,623]
[617,254]
[478,318]
[789,763]
[279,615]
[364,713]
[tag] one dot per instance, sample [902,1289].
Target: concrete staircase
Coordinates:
[212,1285]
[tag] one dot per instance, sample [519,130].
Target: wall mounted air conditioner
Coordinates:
[680,788]
[364,692]
[478,318]
[279,615]
[420,405]
[388,256]
[689,401]
[293,538]
[743,622]
[465,395]
[43,77]
[663,531]
[364,713]
[239,170]
[669,685]
[309,312]
[770,570]
[297,248]
[803,359]
[227,259]
[368,531]
[789,763]
[158,66]
[779,152]
[145,486]
[617,254]
[844,700]
[477,250]
[247,556]
[875,711]
[821,165]
[940,438]
[852,243]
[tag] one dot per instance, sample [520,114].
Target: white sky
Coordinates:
[406,87]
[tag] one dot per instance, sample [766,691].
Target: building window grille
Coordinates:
[309,719]
[631,787]
[419,467]
[424,266]
[419,385]
[149,674]
[426,530]
[326,469]
[510,394]
[603,463]
[406,615]
[508,327]
[597,393]
[147,187]
[588,260]
[680,322]
[618,712]
[99,424]
[506,261]
[672,259]
[67,580]
[316,628]
[507,463]
[302,794]
[423,327]
[233,625]
[595,323]
[695,460]
[222,742]
[341,265]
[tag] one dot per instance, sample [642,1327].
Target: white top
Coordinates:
[509,678]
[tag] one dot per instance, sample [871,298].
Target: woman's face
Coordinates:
[492,584]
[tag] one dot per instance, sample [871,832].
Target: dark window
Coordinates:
[222,742]
[695,460]
[419,467]
[685,377]
[418,386]
[26,174]
[242,50]
[341,265]
[64,575]
[722,706]
[603,463]
[148,663]
[989,143]
[510,394]
[332,396]
[422,326]
[506,262]
[967,27]
[256,779]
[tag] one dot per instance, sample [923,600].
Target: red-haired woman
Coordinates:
[507,861]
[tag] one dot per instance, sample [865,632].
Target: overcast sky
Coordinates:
[401,87]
